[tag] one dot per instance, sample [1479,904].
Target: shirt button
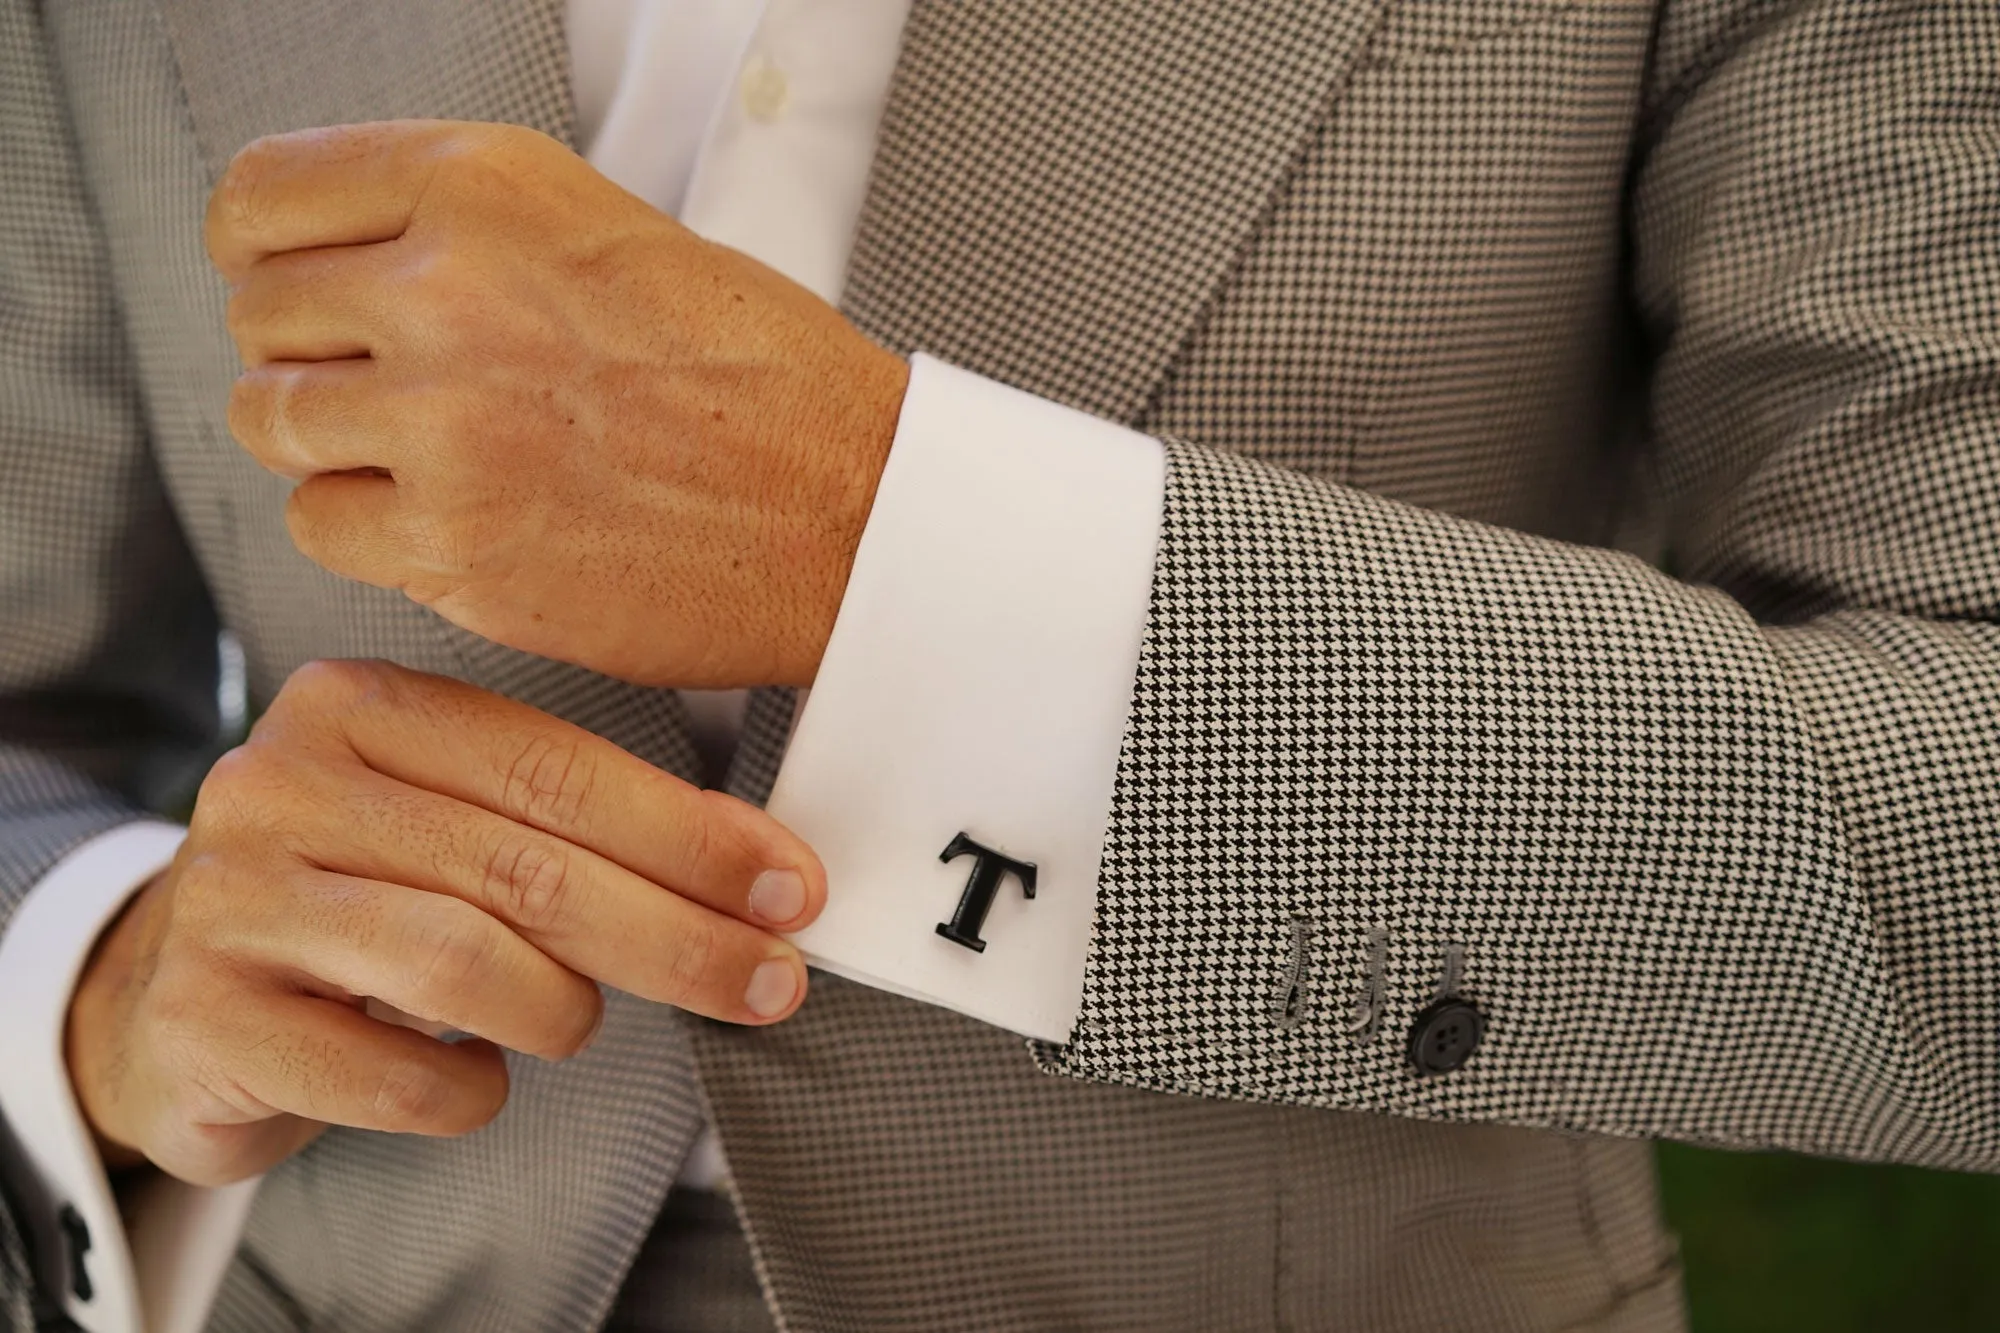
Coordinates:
[1444,1036]
[764,90]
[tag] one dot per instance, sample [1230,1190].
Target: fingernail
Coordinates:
[773,987]
[778,896]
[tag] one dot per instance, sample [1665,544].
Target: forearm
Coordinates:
[1620,795]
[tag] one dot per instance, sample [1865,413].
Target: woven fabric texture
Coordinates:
[1465,318]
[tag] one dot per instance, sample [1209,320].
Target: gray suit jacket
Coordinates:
[1438,302]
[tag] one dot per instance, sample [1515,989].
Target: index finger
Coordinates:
[336,185]
[460,741]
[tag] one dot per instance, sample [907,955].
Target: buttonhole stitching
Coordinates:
[1366,1019]
[1292,996]
[1297,985]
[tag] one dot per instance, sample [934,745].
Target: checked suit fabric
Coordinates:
[1578,552]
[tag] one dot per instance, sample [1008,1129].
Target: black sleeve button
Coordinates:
[1444,1035]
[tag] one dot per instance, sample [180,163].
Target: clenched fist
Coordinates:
[399,837]
[542,407]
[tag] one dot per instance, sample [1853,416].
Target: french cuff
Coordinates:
[953,765]
[161,1272]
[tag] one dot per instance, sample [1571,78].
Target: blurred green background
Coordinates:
[1789,1243]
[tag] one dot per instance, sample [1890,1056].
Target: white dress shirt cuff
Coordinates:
[161,1275]
[977,682]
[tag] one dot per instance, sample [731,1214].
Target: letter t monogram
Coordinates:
[988,868]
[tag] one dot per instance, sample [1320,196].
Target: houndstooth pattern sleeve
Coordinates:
[1719,851]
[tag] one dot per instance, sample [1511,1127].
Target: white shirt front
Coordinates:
[978,676]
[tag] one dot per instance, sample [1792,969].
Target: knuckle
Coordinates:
[236,769]
[504,136]
[699,837]
[323,681]
[475,158]
[460,144]
[446,951]
[337,684]
[263,414]
[432,277]
[531,883]
[445,544]
[203,893]
[410,1092]
[270,785]
[549,780]
[444,299]
[239,789]
[185,1049]
[184,1098]
[196,1067]
[176,1029]
[684,969]
[720,835]
[242,196]
[248,414]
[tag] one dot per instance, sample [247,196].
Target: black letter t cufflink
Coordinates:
[988,869]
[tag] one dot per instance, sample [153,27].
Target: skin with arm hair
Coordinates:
[545,409]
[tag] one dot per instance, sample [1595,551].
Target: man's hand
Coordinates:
[463,858]
[542,407]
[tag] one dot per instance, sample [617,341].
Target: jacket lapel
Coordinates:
[1061,184]
[255,67]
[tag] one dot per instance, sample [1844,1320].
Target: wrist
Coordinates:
[93,1045]
[868,431]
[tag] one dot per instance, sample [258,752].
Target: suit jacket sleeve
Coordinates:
[107,640]
[1719,849]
